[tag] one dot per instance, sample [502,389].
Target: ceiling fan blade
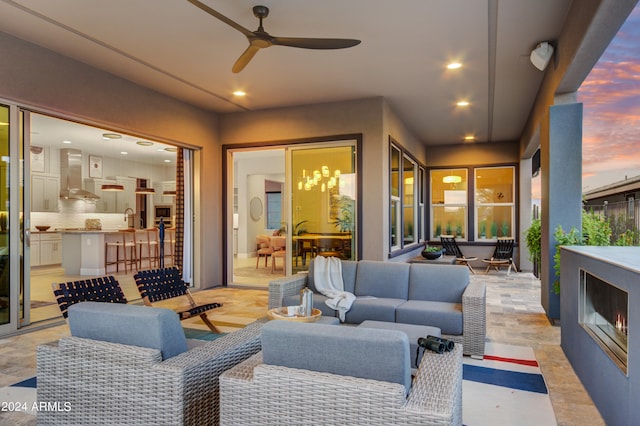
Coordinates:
[315,43]
[244,59]
[221,17]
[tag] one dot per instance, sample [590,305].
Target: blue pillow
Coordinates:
[156,328]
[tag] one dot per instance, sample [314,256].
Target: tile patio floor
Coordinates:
[514,316]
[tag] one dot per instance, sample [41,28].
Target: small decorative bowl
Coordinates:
[431,255]
[42,228]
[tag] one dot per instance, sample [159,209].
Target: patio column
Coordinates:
[561,168]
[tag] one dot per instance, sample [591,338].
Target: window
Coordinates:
[406,199]
[409,184]
[421,213]
[395,197]
[274,210]
[449,196]
[494,202]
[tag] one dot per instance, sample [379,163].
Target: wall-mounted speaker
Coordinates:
[541,55]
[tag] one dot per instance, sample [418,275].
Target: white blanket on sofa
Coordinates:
[327,276]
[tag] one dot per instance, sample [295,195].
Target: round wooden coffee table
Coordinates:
[281,314]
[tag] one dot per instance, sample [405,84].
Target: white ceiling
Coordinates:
[52,132]
[176,48]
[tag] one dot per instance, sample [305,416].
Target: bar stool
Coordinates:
[126,242]
[150,241]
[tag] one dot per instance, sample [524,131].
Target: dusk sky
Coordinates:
[611,121]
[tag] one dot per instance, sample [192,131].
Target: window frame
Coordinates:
[512,204]
[399,245]
[466,205]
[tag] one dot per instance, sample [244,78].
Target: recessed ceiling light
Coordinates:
[160,149]
[144,143]
[171,149]
[239,93]
[66,142]
[123,152]
[463,103]
[167,161]
[469,138]
[454,65]
[108,136]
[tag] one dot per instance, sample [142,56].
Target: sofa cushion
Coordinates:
[438,283]
[446,316]
[349,268]
[318,303]
[373,308]
[382,279]
[156,328]
[338,350]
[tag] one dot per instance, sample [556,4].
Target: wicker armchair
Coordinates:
[129,385]
[254,393]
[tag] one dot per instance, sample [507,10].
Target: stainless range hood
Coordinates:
[71,176]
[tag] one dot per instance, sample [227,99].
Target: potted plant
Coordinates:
[494,230]
[505,229]
[431,252]
[344,221]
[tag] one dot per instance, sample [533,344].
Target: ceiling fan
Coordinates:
[259,39]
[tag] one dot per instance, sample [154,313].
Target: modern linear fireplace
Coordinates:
[600,320]
[604,313]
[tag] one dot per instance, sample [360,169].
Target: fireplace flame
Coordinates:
[621,324]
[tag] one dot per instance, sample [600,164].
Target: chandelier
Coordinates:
[322,178]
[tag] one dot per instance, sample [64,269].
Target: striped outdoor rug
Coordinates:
[506,388]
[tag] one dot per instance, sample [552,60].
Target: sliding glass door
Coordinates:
[287,204]
[323,203]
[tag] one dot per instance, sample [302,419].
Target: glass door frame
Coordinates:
[19,313]
[228,194]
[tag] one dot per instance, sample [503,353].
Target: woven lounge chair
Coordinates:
[101,289]
[155,285]
[502,256]
[451,248]
[276,386]
[114,381]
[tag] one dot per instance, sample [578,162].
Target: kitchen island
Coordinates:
[83,250]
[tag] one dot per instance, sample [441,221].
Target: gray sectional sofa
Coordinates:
[434,295]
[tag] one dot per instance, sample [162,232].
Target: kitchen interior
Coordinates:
[87,185]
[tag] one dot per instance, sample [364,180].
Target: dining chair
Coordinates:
[279,247]
[263,246]
[329,247]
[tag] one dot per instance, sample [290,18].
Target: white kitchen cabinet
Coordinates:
[46,249]
[107,201]
[45,192]
[126,199]
[160,188]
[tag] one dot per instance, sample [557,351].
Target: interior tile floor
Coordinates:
[514,316]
